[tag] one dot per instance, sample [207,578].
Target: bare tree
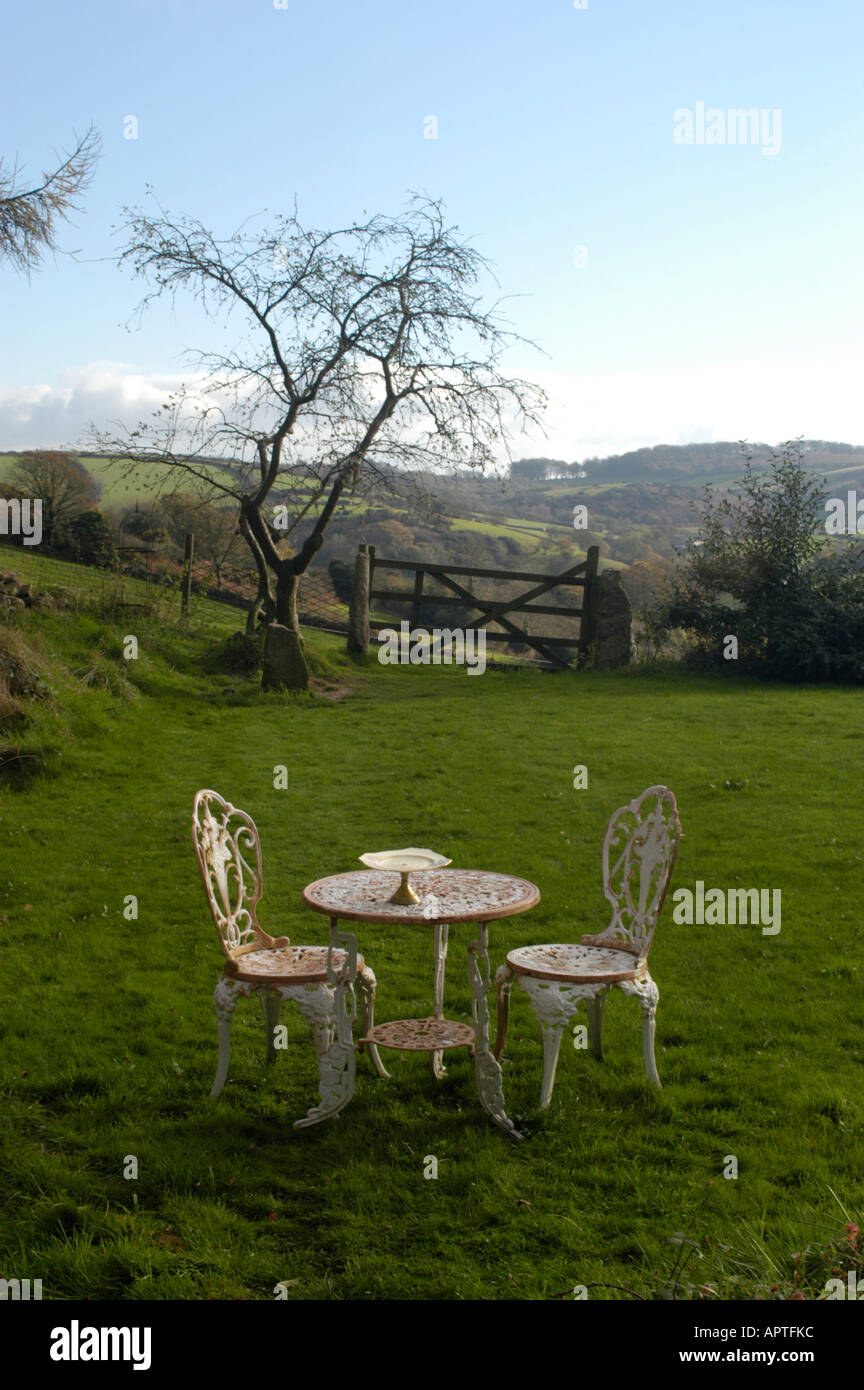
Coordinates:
[368,351]
[28,216]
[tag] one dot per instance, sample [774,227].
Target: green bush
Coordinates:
[760,572]
[240,654]
[343,580]
[87,539]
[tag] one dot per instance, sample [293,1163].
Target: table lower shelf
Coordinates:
[421,1035]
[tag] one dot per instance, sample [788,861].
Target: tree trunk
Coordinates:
[262,609]
[263,606]
[287,584]
[285,668]
[284,663]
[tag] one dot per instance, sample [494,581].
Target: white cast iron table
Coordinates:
[447,897]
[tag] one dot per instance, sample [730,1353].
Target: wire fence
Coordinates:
[131,583]
[322,603]
[82,584]
[319,605]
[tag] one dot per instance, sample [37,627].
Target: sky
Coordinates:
[679,291]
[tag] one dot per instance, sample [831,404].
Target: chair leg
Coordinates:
[224,1000]
[504,978]
[648,1027]
[320,1016]
[596,1009]
[552,1013]
[649,1018]
[551,1049]
[270,1002]
[648,994]
[366,985]
[554,1004]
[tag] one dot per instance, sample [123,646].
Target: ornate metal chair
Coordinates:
[639,852]
[320,980]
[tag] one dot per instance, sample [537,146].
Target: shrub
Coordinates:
[760,571]
[240,654]
[342,579]
[87,538]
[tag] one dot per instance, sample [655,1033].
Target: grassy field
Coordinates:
[87,585]
[109,1043]
[118,484]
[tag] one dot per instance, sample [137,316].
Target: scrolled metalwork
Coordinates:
[229,857]
[639,851]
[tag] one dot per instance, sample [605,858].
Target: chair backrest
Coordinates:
[639,851]
[229,856]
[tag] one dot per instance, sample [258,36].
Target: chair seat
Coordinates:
[575,964]
[289,965]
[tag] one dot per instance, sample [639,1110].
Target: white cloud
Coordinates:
[59,415]
[815,395]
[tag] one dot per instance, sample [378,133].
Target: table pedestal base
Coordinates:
[435,1035]
[450,897]
[486,1066]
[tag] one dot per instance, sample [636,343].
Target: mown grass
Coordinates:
[108,1034]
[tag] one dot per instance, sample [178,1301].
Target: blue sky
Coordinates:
[721,291]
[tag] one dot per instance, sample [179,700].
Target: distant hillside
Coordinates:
[642,508]
[687,464]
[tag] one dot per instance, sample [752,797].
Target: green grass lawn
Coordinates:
[109,1040]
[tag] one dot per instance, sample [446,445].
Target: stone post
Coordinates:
[613,643]
[284,666]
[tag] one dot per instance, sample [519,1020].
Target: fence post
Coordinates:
[187,575]
[416,599]
[588,621]
[358,614]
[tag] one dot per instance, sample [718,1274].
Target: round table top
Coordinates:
[446,895]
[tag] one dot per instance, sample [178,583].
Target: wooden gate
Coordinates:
[459,595]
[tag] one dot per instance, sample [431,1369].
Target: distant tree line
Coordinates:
[674,461]
[542,470]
